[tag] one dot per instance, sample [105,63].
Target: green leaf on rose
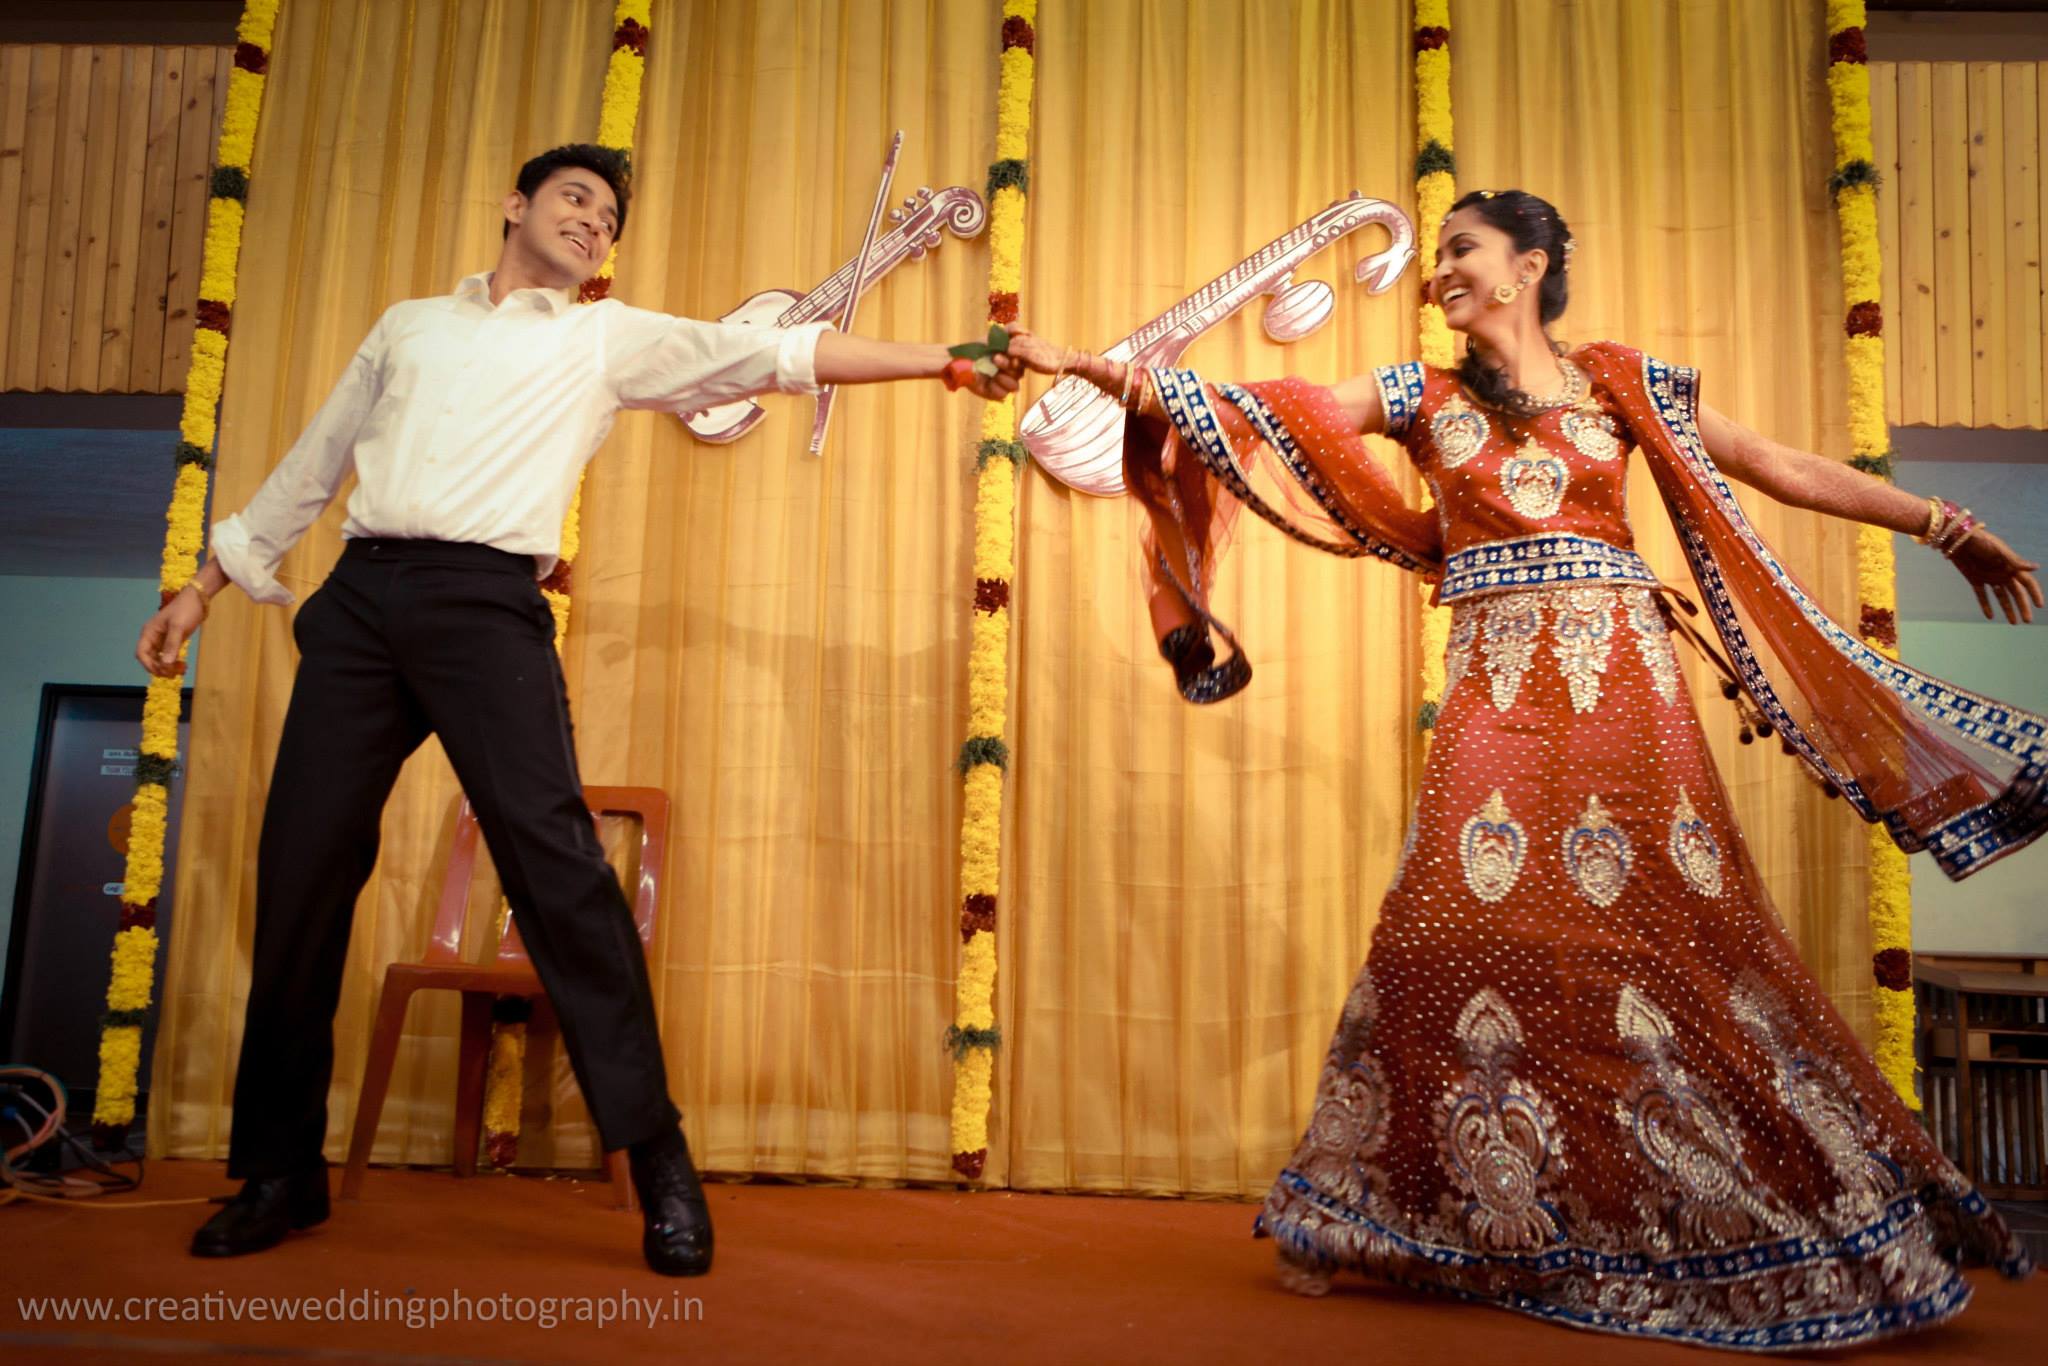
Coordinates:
[998,344]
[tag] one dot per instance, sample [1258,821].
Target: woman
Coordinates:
[1583,1073]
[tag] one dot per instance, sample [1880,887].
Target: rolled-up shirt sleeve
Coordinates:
[657,360]
[250,544]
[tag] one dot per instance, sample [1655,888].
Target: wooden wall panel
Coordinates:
[105,157]
[1964,215]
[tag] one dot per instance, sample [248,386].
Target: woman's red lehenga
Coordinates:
[1583,1073]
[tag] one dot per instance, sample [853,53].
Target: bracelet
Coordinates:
[1952,534]
[205,603]
[1959,521]
[1937,520]
[1106,373]
[1970,527]
[1142,392]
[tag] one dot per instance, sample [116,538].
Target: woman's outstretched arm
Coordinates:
[1802,479]
[1359,396]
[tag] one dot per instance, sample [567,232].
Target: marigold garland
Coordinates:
[974,1036]
[132,966]
[1436,189]
[134,958]
[1855,187]
[619,112]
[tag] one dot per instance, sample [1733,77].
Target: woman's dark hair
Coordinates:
[1530,223]
[603,162]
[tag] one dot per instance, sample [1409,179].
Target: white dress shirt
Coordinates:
[464,421]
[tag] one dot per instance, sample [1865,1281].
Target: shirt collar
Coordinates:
[478,288]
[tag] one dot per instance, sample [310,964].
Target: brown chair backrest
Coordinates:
[650,804]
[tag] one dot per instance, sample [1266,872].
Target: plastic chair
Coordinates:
[509,973]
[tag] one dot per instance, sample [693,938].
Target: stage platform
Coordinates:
[804,1274]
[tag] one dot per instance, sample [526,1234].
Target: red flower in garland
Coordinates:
[1017,33]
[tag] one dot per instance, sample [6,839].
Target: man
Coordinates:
[467,419]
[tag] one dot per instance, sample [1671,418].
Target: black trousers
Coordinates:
[408,638]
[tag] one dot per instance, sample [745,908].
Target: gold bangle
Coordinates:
[1935,519]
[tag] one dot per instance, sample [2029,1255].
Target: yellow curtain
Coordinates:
[781,642]
[1190,890]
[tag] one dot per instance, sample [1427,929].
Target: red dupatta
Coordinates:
[1947,770]
[1284,449]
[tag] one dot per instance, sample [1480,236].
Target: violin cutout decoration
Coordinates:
[919,225]
[1075,432]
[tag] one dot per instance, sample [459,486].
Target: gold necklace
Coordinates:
[1576,387]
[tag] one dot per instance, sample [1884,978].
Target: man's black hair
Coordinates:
[603,162]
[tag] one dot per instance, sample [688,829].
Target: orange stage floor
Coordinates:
[811,1274]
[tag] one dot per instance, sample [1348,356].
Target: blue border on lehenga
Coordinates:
[1863,1324]
[1540,561]
[2016,816]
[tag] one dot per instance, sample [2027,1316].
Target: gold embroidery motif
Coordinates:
[1498,1138]
[1350,1120]
[1653,641]
[1534,481]
[1713,1199]
[1458,432]
[1582,637]
[1592,431]
[1492,848]
[1821,1097]
[1508,643]
[1693,848]
[1596,855]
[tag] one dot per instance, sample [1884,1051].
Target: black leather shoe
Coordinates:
[677,1241]
[262,1212]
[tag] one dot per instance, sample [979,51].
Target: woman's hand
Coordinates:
[1036,353]
[164,634]
[1992,567]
